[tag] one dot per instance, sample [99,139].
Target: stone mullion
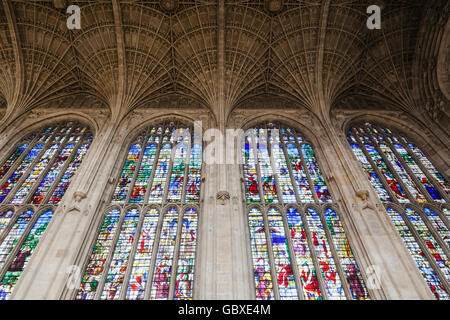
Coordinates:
[44,173]
[19,160]
[407,169]
[63,170]
[27,172]
[138,166]
[293,257]
[148,285]
[137,234]
[101,283]
[315,260]
[377,172]
[433,180]
[308,175]
[159,146]
[335,255]
[393,171]
[273,271]
[20,241]
[173,275]
[423,246]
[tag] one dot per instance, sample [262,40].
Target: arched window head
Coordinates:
[146,245]
[36,172]
[415,195]
[298,244]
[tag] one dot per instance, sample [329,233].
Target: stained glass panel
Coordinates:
[305,264]
[5,218]
[304,189]
[194,176]
[164,259]
[416,252]
[123,186]
[250,174]
[144,174]
[184,284]
[100,253]
[316,176]
[177,176]
[23,256]
[14,235]
[260,256]
[373,177]
[433,246]
[159,180]
[281,258]
[345,254]
[119,262]
[333,285]
[143,256]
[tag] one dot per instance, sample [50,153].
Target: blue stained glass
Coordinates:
[17,174]
[50,178]
[194,176]
[23,256]
[164,259]
[417,254]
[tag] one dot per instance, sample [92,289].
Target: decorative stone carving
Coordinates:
[78,198]
[222,197]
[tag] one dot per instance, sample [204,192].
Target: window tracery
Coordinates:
[415,195]
[298,245]
[146,245]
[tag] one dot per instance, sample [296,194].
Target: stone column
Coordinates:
[223,270]
[370,231]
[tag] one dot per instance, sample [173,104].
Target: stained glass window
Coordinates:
[296,253]
[39,167]
[144,250]
[401,173]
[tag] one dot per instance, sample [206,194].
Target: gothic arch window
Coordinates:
[146,244]
[34,177]
[299,248]
[416,197]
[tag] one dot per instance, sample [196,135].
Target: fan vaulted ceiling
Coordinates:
[318,54]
